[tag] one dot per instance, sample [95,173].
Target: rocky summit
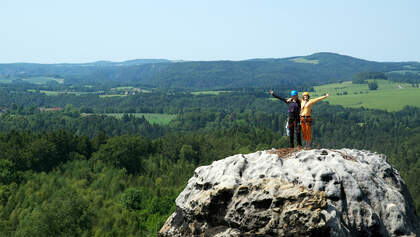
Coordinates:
[287,192]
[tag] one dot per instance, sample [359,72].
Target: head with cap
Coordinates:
[294,94]
[305,95]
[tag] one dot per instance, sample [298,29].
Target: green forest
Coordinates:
[66,174]
[318,68]
[87,153]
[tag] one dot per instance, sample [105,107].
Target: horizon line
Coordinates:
[216,60]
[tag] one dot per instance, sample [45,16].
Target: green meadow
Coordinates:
[55,93]
[304,60]
[42,80]
[34,80]
[161,119]
[129,88]
[112,95]
[390,96]
[406,71]
[209,92]
[123,88]
[6,80]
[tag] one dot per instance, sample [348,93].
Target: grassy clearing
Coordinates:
[408,67]
[161,119]
[406,71]
[6,80]
[122,88]
[42,80]
[51,93]
[351,88]
[209,92]
[55,93]
[304,60]
[130,89]
[386,100]
[112,95]
[390,96]
[33,80]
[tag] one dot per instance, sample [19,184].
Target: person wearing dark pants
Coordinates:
[294,118]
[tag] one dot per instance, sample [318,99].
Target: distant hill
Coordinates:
[133,62]
[319,68]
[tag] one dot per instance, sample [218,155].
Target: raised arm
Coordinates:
[278,97]
[320,98]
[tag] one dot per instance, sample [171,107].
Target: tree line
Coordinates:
[66,174]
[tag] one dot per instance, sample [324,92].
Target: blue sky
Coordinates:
[53,31]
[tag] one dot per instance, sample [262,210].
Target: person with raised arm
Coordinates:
[305,116]
[293,124]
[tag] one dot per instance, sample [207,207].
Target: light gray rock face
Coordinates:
[305,193]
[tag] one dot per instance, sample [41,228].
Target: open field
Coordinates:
[112,95]
[42,80]
[161,119]
[406,71]
[304,60]
[130,89]
[34,80]
[390,96]
[101,95]
[351,88]
[6,80]
[55,93]
[123,88]
[51,93]
[209,92]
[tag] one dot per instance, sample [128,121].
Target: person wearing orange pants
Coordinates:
[306,124]
[305,116]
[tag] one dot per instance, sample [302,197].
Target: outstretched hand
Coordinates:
[327,94]
[271,91]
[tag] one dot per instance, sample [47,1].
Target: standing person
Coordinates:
[293,121]
[305,116]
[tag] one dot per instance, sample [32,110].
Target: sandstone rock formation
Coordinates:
[302,193]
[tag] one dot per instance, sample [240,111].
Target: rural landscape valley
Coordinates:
[216,118]
[109,158]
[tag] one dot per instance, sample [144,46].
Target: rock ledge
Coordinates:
[295,193]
